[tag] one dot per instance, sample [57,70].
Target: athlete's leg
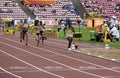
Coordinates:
[26,36]
[20,37]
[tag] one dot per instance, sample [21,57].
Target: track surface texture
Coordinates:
[53,60]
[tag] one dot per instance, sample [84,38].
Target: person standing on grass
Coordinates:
[67,22]
[39,32]
[69,35]
[25,31]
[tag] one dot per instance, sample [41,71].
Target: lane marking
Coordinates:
[68,56]
[10,73]
[53,67]
[116,67]
[23,71]
[87,45]
[51,60]
[30,64]
[18,67]
[112,77]
[28,69]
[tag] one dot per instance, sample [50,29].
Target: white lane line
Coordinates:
[61,41]
[103,67]
[67,56]
[112,77]
[9,72]
[31,64]
[51,60]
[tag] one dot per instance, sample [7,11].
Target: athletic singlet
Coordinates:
[38,30]
[69,33]
[25,25]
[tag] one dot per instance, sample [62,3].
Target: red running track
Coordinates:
[50,60]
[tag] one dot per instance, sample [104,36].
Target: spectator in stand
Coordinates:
[59,24]
[67,21]
[75,11]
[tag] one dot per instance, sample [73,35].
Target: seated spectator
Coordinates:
[9,10]
[1,11]
[114,33]
[75,11]
[53,11]
[114,22]
[7,4]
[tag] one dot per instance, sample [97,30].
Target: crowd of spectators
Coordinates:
[10,3]
[103,8]
[111,26]
[70,7]
[110,10]
[61,8]
[13,3]
[10,9]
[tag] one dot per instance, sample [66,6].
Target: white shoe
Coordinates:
[69,49]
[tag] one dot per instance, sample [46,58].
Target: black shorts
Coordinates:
[41,32]
[24,31]
[37,33]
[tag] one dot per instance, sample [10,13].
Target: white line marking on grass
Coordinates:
[30,64]
[50,60]
[9,72]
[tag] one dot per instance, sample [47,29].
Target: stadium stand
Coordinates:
[10,9]
[102,7]
[57,9]
[61,9]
